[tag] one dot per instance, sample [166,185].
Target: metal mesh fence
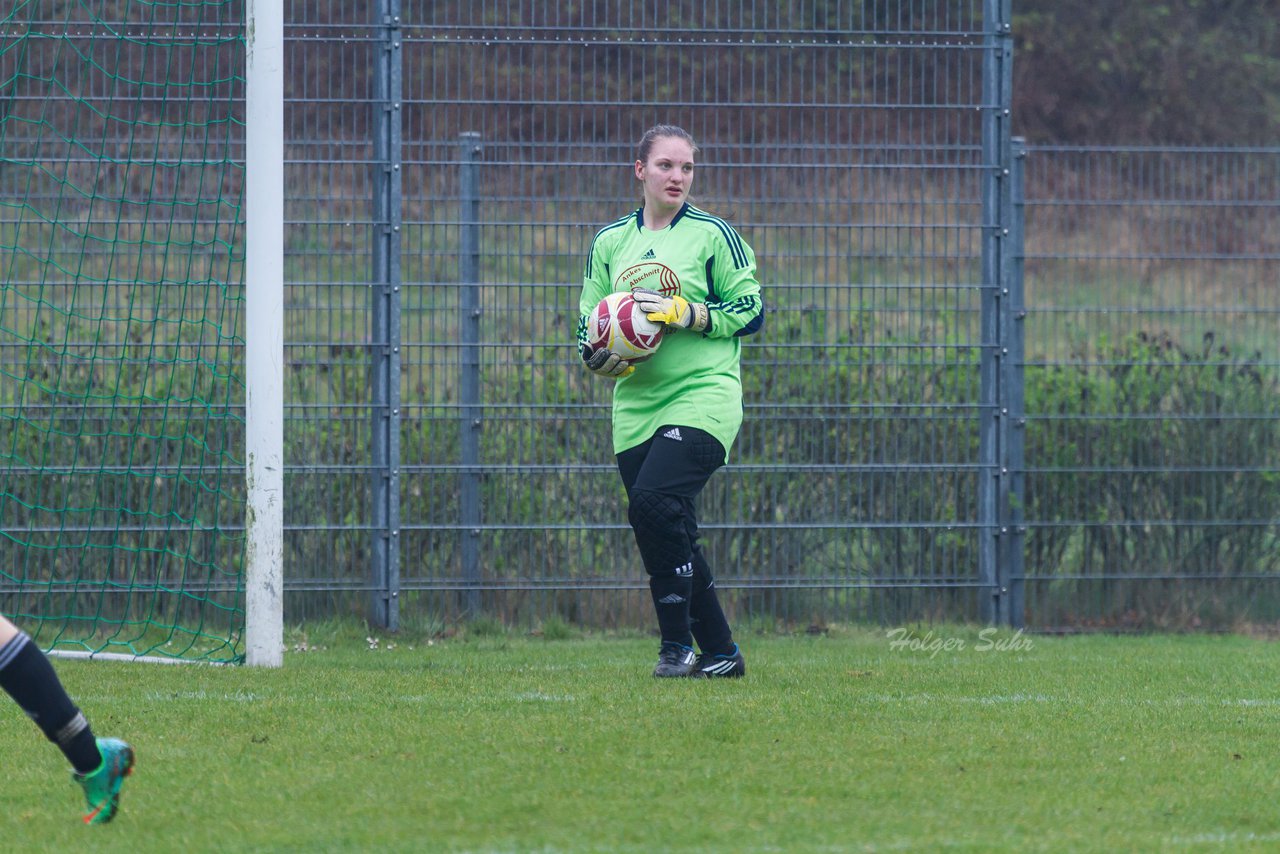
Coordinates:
[1151,375]
[938,422]
[848,152]
[448,167]
[331,52]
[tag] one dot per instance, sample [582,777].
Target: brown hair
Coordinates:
[657,132]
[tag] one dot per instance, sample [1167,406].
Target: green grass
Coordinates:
[844,742]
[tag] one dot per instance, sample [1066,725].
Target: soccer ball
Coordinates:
[619,326]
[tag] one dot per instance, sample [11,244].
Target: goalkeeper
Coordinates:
[676,415]
[99,765]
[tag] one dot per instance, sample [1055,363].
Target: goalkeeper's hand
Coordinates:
[607,364]
[673,311]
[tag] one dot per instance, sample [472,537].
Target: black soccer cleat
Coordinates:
[675,660]
[720,666]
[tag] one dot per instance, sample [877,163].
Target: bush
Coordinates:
[1152,475]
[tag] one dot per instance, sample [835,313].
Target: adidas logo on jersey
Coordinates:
[671,599]
[648,256]
[673,433]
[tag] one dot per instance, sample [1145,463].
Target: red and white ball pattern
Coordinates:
[620,327]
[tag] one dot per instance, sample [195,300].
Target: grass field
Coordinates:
[942,739]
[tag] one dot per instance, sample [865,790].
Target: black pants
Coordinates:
[663,478]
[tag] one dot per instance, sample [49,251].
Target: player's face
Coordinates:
[667,174]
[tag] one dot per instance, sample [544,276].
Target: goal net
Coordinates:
[122,479]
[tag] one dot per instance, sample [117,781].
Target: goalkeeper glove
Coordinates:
[607,364]
[673,311]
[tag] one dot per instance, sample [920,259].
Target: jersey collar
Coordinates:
[684,208]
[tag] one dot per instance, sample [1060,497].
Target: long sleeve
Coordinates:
[734,303]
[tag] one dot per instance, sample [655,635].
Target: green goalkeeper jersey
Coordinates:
[694,378]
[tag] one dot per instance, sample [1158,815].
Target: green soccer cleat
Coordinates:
[102,787]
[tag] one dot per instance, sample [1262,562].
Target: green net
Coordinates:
[121,416]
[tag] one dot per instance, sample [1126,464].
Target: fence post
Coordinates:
[384,339]
[469,365]
[997,81]
[1013,426]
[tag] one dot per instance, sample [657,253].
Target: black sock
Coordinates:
[28,677]
[671,601]
[709,624]
[706,617]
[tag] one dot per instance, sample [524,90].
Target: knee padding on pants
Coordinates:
[659,524]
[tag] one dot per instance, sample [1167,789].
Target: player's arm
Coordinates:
[595,287]
[733,307]
[736,307]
